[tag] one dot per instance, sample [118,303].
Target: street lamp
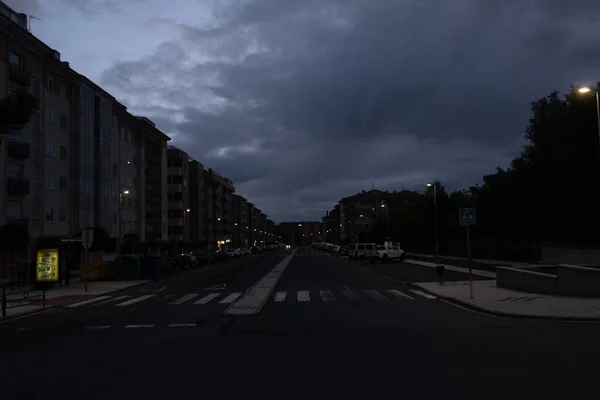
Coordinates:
[387,221]
[437,243]
[587,89]
[121,194]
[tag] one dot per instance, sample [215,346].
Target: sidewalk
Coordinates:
[63,295]
[486,274]
[505,302]
[477,260]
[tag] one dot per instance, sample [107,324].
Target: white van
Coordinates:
[360,251]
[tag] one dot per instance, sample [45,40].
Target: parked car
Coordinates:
[233,253]
[387,253]
[244,252]
[220,256]
[204,258]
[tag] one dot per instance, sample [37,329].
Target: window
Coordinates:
[50,185]
[63,91]
[114,219]
[128,203]
[129,182]
[63,153]
[51,149]
[14,59]
[50,116]
[63,121]
[50,215]
[129,136]
[122,133]
[62,215]
[62,183]
[115,171]
[50,84]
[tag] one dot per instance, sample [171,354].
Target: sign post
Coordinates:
[87,239]
[467,218]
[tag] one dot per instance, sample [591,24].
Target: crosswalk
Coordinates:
[298,296]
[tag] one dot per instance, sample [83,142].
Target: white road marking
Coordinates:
[303,296]
[112,300]
[23,328]
[400,294]
[231,298]
[184,298]
[326,295]
[207,298]
[135,300]
[280,296]
[181,325]
[376,295]
[83,303]
[351,295]
[98,327]
[423,294]
[139,326]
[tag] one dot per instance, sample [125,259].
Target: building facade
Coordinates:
[241,221]
[178,196]
[218,221]
[196,196]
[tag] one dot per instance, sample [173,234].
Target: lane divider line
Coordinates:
[423,294]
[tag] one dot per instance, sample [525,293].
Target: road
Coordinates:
[331,328]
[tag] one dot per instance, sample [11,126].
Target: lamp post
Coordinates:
[121,194]
[186,228]
[437,243]
[387,221]
[587,89]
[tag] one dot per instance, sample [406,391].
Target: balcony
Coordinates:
[18,74]
[17,186]
[18,149]
[18,221]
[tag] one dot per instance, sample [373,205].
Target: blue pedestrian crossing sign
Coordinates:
[467,216]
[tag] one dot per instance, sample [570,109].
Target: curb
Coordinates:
[484,310]
[45,309]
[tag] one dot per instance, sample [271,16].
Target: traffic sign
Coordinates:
[467,216]
[87,238]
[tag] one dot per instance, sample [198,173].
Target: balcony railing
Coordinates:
[17,148]
[18,186]
[18,74]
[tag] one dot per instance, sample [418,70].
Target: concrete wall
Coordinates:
[526,280]
[574,280]
[555,255]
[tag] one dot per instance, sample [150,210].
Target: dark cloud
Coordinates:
[302,102]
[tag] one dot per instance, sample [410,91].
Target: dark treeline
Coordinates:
[547,196]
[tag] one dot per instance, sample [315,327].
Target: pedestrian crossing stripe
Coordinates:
[300,296]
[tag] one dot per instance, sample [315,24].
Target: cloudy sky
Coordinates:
[301,102]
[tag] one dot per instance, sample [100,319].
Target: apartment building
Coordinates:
[154,181]
[359,213]
[254,223]
[218,218]
[330,223]
[300,231]
[196,199]
[127,171]
[178,196]
[36,160]
[241,221]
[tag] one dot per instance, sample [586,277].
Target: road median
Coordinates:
[255,298]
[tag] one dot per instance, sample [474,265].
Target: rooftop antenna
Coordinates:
[372,185]
[29,21]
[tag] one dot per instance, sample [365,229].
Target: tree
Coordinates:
[16,110]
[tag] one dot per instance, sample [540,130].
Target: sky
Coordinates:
[302,102]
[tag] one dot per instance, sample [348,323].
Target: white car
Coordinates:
[387,253]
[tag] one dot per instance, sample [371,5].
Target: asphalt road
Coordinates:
[340,330]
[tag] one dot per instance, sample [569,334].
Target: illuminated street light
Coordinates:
[437,243]
[587,89]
